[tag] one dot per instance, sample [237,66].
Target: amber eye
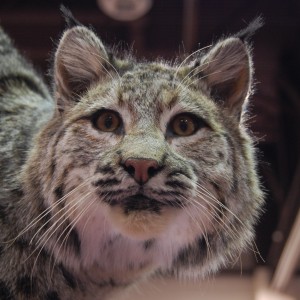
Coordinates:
[185,124]
[107,121]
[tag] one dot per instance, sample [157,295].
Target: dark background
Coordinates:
[174,26]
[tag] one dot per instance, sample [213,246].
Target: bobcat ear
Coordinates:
[227,71]
[80,60]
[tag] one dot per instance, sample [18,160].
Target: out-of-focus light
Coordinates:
[125,10]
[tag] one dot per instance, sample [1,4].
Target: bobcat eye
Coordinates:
[107,121]
[185,124]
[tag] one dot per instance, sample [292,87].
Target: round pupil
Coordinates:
[108,121]
[183,124]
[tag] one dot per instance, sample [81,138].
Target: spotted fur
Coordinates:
[75,221]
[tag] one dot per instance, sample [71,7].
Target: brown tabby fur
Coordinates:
[76,223]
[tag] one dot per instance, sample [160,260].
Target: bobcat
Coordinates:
[127,170]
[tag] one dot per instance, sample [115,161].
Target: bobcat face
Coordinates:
[143,154]
[141,149]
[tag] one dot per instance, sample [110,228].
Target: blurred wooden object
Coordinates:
[288,261]
[262,289]
[267,287]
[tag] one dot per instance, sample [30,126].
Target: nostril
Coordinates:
[152,171]
[130,169]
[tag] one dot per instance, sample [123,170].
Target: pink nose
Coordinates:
[141,169]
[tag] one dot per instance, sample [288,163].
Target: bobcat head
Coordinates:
[147,165]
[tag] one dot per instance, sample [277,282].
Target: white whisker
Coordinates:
[195,52]
[196,71]
[46,212]
[204,229]
[184,87]
[40,243]
[234,229]
[103,58]
[55,205]
[71,227]
[48,234]
[213,198]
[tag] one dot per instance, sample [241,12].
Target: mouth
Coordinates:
[137,202]
[140,202]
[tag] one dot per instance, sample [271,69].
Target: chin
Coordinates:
[141,218]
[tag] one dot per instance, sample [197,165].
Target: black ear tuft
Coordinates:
[246,33]
[69,18]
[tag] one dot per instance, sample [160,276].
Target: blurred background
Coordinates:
[166,28]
